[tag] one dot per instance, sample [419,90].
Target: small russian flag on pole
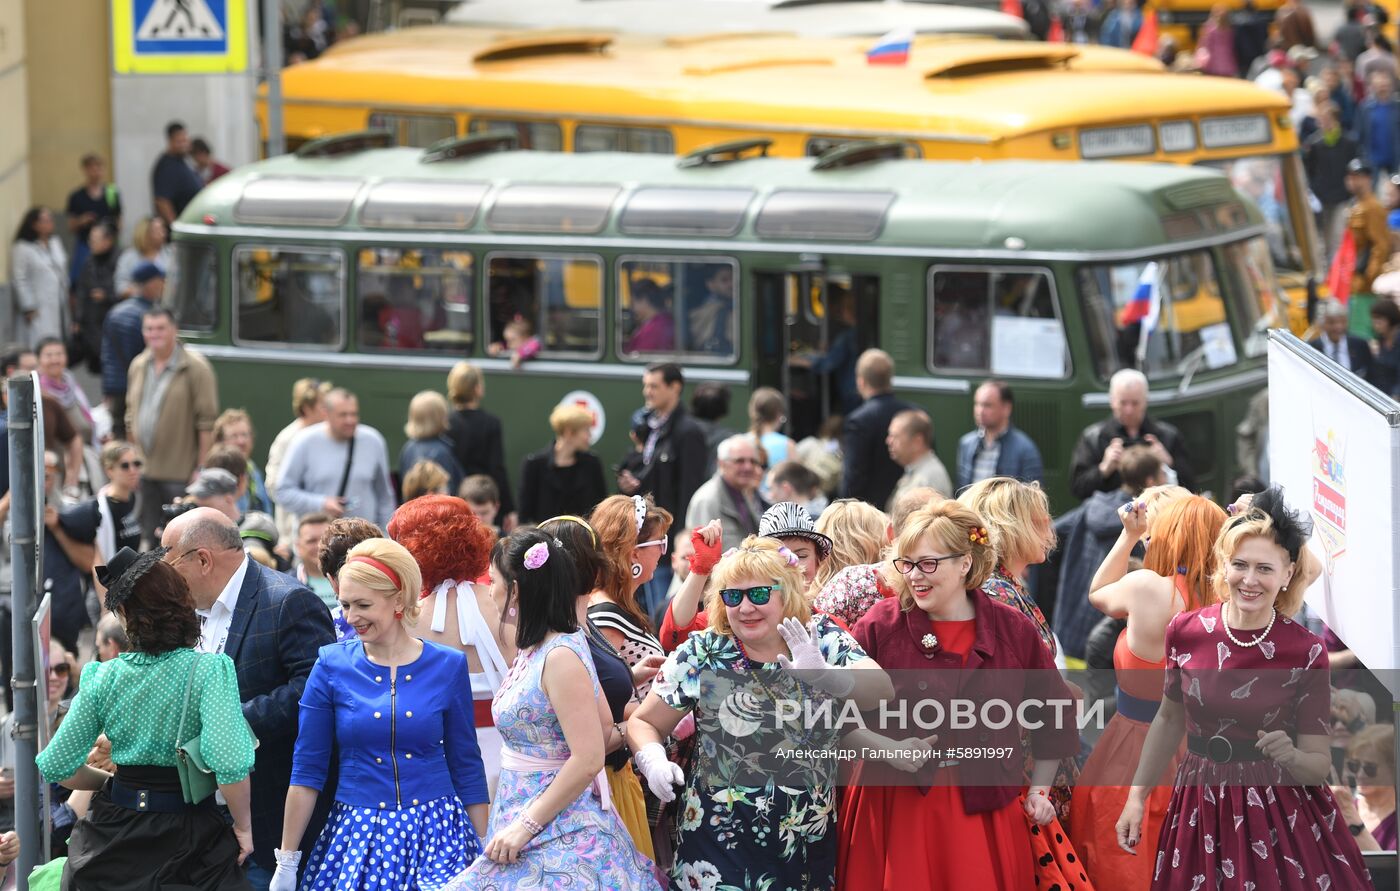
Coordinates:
[892,49]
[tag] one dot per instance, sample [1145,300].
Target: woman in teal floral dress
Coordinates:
[757,813]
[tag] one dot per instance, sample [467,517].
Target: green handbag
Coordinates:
[196,779]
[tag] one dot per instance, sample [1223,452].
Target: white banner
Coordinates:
[1333,447]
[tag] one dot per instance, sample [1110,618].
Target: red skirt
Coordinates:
[898,838]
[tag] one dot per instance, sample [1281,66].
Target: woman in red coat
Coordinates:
[959,821]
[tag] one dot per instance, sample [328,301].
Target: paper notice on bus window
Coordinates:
[1027,347]
[1219,345]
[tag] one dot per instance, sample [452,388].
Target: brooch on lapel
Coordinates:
[929,641]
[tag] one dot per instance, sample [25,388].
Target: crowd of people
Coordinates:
[408,674]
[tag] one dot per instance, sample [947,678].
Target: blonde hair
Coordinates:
[1375,740]
[141,237]
[424,478]
[307,392]
[464,384]
[1011,510]
[757,558]
[397,558]
[112,452]
[950,525]
[226,420]
[427,415]
[567,419]
[1257,524]
[858,533]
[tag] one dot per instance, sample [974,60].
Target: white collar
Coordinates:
[228,598]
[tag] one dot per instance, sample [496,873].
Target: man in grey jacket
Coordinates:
[731,495]
[339,467]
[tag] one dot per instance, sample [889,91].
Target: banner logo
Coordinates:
[1329,498]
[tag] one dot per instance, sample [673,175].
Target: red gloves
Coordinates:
[703,561]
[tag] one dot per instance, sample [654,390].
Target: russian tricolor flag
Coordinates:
[892,49]
[1142,306]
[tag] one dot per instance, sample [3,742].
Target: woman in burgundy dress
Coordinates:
[1250,688]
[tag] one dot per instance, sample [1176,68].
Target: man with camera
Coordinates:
[1094,467]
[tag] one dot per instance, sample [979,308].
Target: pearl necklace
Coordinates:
[1225,623]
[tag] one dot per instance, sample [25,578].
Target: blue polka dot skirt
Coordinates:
[427,847]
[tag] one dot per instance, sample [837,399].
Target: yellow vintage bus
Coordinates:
[955,99]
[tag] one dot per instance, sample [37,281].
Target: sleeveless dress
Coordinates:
[1249,824]
[1103,784]
[473,631]
[586,846]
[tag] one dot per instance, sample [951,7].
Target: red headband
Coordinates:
[382,567]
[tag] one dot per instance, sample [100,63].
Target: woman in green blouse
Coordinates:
[140,834]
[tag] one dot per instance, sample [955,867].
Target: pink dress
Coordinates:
[1247,824]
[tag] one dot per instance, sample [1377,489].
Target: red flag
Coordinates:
[1343,266]
[1012,7]
[1057,31]
[1146,40]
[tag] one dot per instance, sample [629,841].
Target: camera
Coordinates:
[176,508]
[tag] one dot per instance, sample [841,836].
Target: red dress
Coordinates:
[957,850]
[1247,824]
[1103,784]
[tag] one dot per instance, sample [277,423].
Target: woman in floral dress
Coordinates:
[754,819]
[552,818]
[1250,688]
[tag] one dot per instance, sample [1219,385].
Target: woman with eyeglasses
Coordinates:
[1175,577]
[961,821]
[1370,776]
[759,805]
[117,503]
[1249,688]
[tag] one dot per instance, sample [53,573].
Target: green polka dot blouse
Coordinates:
[136,700]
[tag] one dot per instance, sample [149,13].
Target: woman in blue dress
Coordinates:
[411,800]
[553,818]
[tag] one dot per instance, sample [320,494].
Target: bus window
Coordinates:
[676,308]
[192,292]
[289,295]
[415,299]
[530,134]
[1261,178]
[560,297]
[995,320]
[1256,301]
[645,140]
[415,130]
[1191,324]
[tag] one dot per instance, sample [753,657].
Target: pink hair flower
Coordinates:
[789,556]
[536,555]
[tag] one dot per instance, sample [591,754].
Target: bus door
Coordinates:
[812,326]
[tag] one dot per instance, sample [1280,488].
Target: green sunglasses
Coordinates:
[758,596]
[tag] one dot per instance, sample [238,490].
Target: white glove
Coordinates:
[661,775]
[285,878]
[807,659]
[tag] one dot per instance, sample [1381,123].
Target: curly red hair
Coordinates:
[445,537]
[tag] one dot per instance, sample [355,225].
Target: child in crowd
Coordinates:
[480,493]
[520,342]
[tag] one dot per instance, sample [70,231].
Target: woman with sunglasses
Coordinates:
[750,817]
[966,823]
[1370,774]
[1175,577]
[117,504]
[1249,688]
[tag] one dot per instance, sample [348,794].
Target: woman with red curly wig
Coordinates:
[452,547]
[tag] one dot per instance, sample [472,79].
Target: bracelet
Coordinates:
[530,825]
[622,736]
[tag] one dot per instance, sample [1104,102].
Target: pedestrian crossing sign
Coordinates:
[179,36]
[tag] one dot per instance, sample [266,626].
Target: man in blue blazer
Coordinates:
[272,626]
[996,448]
[868,472]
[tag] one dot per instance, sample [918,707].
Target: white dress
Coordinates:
[473,631]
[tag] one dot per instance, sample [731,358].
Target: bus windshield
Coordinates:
[1168,316]
[1262,178]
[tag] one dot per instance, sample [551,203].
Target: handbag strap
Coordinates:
[345,477]
[189,686]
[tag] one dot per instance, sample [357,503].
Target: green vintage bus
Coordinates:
[379,268]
